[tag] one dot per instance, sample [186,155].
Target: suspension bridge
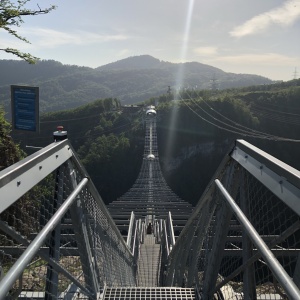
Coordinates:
[60,241]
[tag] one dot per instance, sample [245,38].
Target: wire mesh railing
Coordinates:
[135,235]
[242,241]
[56,235]
[167,242]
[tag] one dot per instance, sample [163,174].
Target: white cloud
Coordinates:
[206,51]
[52,38]
[285,15]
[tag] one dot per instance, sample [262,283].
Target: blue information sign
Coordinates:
[25,108]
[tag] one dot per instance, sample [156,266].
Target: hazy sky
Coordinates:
[240,36]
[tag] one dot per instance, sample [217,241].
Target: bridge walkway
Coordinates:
[148,263]
[148,279]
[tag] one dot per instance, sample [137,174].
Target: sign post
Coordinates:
[25,108]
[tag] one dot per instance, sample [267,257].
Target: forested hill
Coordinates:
[130,80]
[195,131]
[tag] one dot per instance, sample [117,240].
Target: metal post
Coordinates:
[51,290]
[60,134]
[249,286]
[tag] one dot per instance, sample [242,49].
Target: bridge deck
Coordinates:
[148,264]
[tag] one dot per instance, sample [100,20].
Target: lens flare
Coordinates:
[185,41]
[179,77]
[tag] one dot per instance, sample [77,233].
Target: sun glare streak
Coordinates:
[185,42]
[179,77]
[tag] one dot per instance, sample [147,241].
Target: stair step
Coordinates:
[163,293]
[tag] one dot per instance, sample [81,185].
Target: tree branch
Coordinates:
[25,56]
[11,15]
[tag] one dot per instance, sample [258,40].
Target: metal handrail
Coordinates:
[25,174]
[283,278]
[165,235]
[21,177]
[136,243]
[15,170]
[142,232]
[289,173]
[171,230]
[282,179]
[130,230]
[16,270]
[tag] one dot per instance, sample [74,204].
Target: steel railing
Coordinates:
[242,240]
[56,234]
[135,235]
[167,242]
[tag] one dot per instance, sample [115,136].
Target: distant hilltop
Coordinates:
[131,80]
[133,63]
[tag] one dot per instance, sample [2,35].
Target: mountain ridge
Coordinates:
[131,80]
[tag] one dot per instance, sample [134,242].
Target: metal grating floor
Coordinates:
[148,263]
[163,293]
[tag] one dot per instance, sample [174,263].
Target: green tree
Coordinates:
[11,16]
[10,153]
